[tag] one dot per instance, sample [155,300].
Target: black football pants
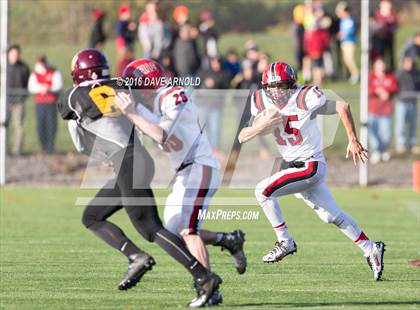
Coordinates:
[133,193]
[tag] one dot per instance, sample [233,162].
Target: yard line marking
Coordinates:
[413,206]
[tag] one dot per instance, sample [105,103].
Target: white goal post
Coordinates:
[364,71]
[4,5]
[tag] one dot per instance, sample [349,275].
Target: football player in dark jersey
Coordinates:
[99,129]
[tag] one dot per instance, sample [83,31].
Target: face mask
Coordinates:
[279,96]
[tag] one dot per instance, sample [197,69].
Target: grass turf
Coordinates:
[49,261]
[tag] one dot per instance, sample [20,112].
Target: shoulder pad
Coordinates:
[301,97]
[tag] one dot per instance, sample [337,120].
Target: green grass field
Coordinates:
[49,260]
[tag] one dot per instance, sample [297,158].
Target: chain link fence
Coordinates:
[220,114]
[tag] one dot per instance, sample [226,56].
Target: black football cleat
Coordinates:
[137,267]
[234,243]
[206,288]
[214,300]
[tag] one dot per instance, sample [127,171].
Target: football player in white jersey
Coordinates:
[289,112]
[174,125]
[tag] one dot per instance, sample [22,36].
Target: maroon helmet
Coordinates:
[89,64]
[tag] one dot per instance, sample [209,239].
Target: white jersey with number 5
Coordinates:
[297,137]
[178,116]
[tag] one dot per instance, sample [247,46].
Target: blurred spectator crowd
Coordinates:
[324,45]
[321,37]
[45,83]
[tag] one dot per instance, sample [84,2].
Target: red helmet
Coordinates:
[279,82]
[148,73]
[278,73]
[89,64]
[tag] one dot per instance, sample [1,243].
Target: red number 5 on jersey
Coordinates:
[289,130]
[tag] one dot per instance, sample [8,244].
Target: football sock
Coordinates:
[115,237]
[364,243]
[129,248]
[282,232]
[350,228]
[273,212]
[176,248]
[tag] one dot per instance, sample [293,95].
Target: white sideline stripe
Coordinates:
[216,201]
[174,245]
[412,205]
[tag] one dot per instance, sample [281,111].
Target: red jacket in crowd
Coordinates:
[45,83]
[316,42]
[377,105]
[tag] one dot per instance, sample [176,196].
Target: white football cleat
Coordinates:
[375,259]
[281,250]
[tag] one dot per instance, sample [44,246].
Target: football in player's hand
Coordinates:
[268,120]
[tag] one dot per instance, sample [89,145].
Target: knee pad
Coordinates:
[172,214]
[339,220]
[259,194]
[325,216]
[147,227]
[88,219]
[173,224]
[148,232]
[343,220]
[327,213]
[87,222]
[149,235]
[145,219]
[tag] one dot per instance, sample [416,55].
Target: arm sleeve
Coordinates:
[148,115]
[158,39]
[119,29]
[143,37]
[371,85]
[57,82]
[348,27]
[27,74]
[33,86]
[329,108]
[311,98]
[74,134]
[254,110]
[394,85]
